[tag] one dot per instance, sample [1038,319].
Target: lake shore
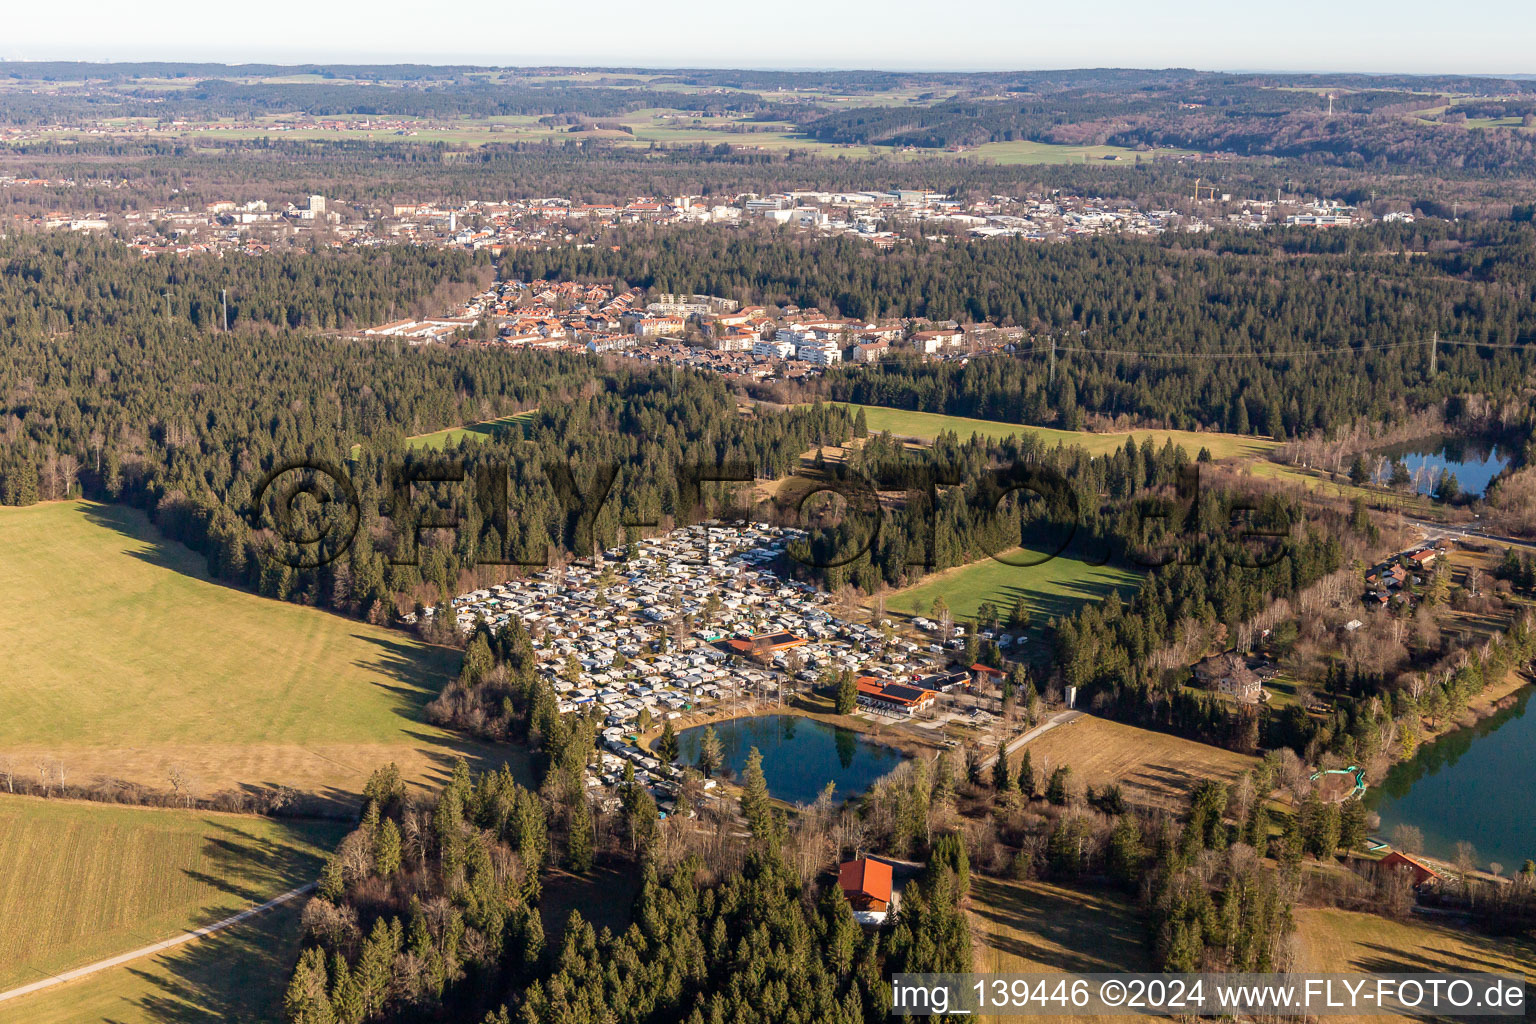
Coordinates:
[804,705]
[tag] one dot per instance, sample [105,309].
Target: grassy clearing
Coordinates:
[1343,940]
[605,897]
[517,422]
[928,425]
[1024,151]
[1411,504]
[1150,767]
[236,976]
[1053,588]
[124,659]
[449,437]
[1036,927]
[79,882]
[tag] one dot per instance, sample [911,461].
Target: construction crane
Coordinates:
[1206,191]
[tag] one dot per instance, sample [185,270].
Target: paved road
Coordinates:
[1468,531]
[1060,718]
[151,950]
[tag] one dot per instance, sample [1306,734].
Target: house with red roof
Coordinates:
[867,885]
[1422,872]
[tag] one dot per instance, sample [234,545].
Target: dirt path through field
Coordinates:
[152,949]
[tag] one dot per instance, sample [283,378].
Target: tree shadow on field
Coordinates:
[1478,955]
[1077,932]
[443,752]
[255,868]
[410,662]
[154,547]
[235,975]
[1068,595]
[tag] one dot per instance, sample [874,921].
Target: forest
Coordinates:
[107,396]
[61,283]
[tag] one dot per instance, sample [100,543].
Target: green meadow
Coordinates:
[131,663]
[82,882]
[925,426]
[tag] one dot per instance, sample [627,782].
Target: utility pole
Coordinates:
[1434,353]
[1053,363]
[224,297]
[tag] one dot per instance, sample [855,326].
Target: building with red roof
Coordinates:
[867,884]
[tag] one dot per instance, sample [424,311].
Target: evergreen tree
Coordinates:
[1057,789]
[333,884]
[308,999]
[346,993]
[1126,853]
[579,843]
[386,849]
[711,754]
[847,692]
[641,817]
[1353,825]
[666,746]
[374,966]
[1028,782]
[950,854]
[756,804]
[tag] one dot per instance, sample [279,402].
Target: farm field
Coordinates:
[1037,927]
[1150,767]
[144,664]
[1054,587]
[1343,940]
[80,882]
[928,425]
[236,976]
[649,126]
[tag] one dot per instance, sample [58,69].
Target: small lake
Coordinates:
[800,755]
[1476,784]
[1474,462]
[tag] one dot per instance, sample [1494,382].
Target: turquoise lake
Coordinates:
[1474,785]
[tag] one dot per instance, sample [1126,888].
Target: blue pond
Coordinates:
[800,755]
[1473,462]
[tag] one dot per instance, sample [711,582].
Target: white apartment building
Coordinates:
[774,349]
[821,353]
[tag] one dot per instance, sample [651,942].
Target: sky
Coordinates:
[1411,36]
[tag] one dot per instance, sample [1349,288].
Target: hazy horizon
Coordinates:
[616,68]
[1411,37]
